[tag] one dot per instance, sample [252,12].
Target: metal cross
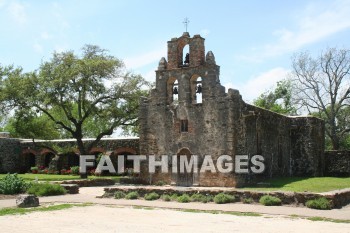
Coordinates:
[186,22]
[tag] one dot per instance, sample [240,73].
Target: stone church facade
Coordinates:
[190,113]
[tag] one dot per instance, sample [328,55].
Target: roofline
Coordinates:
[73,139]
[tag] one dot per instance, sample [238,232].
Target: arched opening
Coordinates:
[185,177]
[196,89]
[128,164]
[73,160]
[186,56]
[28,162]
[47,158]
[173,90]
[182,50]
[97,152]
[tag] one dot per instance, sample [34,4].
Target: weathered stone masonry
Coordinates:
[10,151]
[18,155]
[190,113]
[223,124]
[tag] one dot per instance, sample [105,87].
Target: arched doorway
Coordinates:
[97,152]
[72,160]
[128,164]
[184,178]
[47,159]
[29,161]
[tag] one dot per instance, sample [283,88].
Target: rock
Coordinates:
[71,188]
[25,201]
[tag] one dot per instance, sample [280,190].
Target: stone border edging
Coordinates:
[338,198]
[89,183]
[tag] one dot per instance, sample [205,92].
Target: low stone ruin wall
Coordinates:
[90,183]
[9,155]
[337,163]
[338,199]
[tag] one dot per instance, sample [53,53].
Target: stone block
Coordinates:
[25,201]
[71,188]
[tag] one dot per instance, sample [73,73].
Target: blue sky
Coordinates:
[253,41]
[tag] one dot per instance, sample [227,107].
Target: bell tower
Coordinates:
[183,109]
[189,113]
[186,78]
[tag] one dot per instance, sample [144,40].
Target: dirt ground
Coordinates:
[100,218]
[5,197]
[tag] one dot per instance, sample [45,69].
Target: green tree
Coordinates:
[5,72]
[28,124]
[278,100]
[322,87]
[343,121]
[77,91]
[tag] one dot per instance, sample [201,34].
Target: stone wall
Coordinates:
[104,145]
[337,163]
[307,146]
[10,150]
[337,199]
[222,124]
[19,156]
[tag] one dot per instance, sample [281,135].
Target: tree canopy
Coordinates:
[84,96]
[322,87]
[278,100]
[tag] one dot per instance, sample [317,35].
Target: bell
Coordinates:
[199,89]
[175,91]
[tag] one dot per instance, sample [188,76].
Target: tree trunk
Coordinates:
[335,143]
[82,151]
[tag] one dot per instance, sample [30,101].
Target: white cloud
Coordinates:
[144,59]
[45,36]
[38,48]
[257,85]
[17,12]
[59,14]
[150,76]
[316,22]
[59,48]
[2,3]
[204,32]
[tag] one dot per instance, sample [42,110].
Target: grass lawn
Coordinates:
[51,177]
[12,211]
[301,184]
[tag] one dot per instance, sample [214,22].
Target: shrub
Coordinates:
[320,203]
[223,198]
[151,196]
[184,198]
[248,200]
[198,197]
[119,195]
[12,184]
[160,183]
[132,195]
[166,197]
[270,200]
[74,170]
[46,189]
[34,169]
[174,197]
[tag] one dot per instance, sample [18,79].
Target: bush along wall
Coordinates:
[334,200]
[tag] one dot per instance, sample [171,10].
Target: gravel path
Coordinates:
[127,219]
[111,215]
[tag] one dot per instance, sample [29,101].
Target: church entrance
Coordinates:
[184,178]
